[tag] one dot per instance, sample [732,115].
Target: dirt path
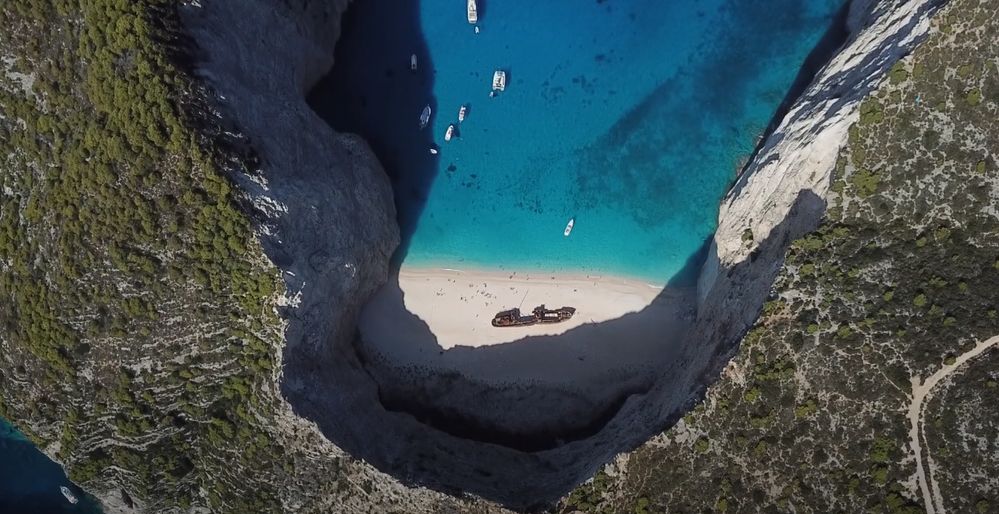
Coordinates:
[921,392]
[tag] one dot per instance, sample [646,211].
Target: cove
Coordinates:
[631,117]
[30,481]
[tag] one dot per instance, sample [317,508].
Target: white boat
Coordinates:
[433,151]
[568,226]
[499,80]
[461,113]
[412,62]
[473,12]
[70,497]
[450,132]
[425,117]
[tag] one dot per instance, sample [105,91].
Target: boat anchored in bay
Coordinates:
[499,82]
[425,117]
[568,226]
[70,497]
[473,12]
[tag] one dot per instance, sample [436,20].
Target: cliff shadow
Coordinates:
[527,470]
[563,387]
[373,92]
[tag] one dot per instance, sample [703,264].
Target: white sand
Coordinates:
[439,319]
[458,305]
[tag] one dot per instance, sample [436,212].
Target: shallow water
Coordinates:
[29,481]
[632,117]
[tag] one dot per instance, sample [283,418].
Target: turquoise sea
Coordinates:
[29,481]
[631,116]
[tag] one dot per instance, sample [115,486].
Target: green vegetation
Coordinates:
[871,111]
[806,409]
[899,278]
[865,183]
[974,97]
[898,73]
[115,220]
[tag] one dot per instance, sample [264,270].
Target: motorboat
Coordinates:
[568,226]
[462,112]
[70,497]
[499,80]
[450,132]
[425,117]
[412,62]
[473,12]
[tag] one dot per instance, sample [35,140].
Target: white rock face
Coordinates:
[324,205]
[801,154]
[326,219]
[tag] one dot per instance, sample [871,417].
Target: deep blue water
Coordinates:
[631,116]
[29,481]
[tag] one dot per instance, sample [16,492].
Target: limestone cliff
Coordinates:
[781,194]
[326,221]
[801,153]
[140,342]
[823,408]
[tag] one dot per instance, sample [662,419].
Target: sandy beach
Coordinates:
[458,305]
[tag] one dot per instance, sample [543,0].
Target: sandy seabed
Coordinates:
[459,305]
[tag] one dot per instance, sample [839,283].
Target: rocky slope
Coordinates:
[249,413]
[825,407]
[323,379]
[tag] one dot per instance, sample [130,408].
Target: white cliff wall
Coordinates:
[325,205]
[801,153]
[327,221]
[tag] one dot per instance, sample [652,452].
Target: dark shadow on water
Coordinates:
[827,48]
[687,276]
[371,91]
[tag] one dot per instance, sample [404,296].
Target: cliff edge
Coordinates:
[333,247]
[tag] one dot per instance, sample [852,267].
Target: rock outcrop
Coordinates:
[801,153]
[326,220]
[780,195]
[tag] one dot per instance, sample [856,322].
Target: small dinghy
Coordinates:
[568,226]
[462,112]
[70,497]
[450,132]
[425,117]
